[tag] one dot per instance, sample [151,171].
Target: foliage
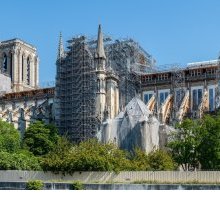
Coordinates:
[18,161]
[90,155]
[77,186]
[40,138]
[56,159]
[161,160]
[155,160]
[34,185]
[140,160]
[9,137]
[209,147]
[197,142]
[183,144]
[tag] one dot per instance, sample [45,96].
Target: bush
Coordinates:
[9,137]
[140,160]
[90,155]
[77,185]
[34,185]
[18,161]
[161,160]
[155,160]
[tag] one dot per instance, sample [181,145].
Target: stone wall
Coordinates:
[23,108]
[111,177]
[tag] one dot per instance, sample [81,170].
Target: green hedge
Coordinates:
[77,185]
[34,185]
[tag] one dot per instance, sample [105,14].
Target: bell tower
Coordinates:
[19,60]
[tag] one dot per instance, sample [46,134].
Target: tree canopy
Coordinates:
[40,138]
[209,143]
[197,142]
[9,137]
[92,155]
[19,161]
[183,144]
[161,160]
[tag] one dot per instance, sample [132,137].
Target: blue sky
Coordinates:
[173,31]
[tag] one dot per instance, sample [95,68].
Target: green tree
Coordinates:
[90,155]
[155,160]
[18,161]
[161,160]
[93,155]
[56,159]
[140,160]
[209,146]
[9,137]
[184,143]
[40,138]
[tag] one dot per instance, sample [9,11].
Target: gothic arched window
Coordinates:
[5,62]
[28,71]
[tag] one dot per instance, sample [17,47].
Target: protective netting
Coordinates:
[134,127]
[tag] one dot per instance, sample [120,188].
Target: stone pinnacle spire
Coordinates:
[100,52]
[60,53]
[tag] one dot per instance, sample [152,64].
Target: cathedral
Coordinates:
[109,89]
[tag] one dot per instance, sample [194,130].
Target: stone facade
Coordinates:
[23,108]
[19,60]
[196,93]
[5,84]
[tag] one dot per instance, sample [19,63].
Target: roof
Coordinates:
[29,94]
[208,63]
[18,40]
[136,107]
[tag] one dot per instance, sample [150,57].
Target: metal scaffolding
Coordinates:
[76,82]
[217,97]
[128,60]
[179,90]
[76,91]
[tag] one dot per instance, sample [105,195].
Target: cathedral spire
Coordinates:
[60,48]
[100,52]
